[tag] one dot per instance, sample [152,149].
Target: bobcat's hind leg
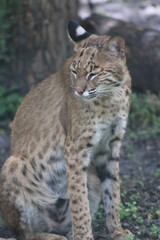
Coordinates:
[20,214]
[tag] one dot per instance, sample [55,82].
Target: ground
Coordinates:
[140,187]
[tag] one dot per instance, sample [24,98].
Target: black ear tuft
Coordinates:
[76,32]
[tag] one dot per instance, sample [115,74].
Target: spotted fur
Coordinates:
[65,145]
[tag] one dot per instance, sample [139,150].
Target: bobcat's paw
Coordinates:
[122,235]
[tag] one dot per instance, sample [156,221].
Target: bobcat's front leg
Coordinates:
[108,172]
[76,165]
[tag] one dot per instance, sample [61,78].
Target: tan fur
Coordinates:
[52,124]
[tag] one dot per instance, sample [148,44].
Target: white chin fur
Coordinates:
[76,93]
[80,31]
[85,94]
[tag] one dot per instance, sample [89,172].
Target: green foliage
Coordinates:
[129,211]
[98,222]
[99,217]
[155,231]
[9,102]
[145,113]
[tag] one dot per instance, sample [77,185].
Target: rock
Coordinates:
[142,49]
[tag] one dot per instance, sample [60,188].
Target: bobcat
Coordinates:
[65,145]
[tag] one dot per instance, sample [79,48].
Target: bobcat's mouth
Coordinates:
[87,94]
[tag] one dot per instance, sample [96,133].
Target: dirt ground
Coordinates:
[140,188]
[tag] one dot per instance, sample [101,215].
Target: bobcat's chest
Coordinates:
[102,130]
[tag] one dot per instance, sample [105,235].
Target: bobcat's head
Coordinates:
[98,65]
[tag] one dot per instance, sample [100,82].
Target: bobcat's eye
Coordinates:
[74,72]
[91,76]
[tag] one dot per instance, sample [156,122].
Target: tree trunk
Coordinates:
[42,44]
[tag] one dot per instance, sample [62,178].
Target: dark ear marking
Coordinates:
[76,32]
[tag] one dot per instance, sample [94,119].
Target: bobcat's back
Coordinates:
[37,119]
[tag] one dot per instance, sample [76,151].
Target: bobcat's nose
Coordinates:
[80,91]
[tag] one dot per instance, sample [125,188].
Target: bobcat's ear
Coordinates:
[117,46]
[76,32]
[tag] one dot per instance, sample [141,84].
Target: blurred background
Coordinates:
[34,44]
